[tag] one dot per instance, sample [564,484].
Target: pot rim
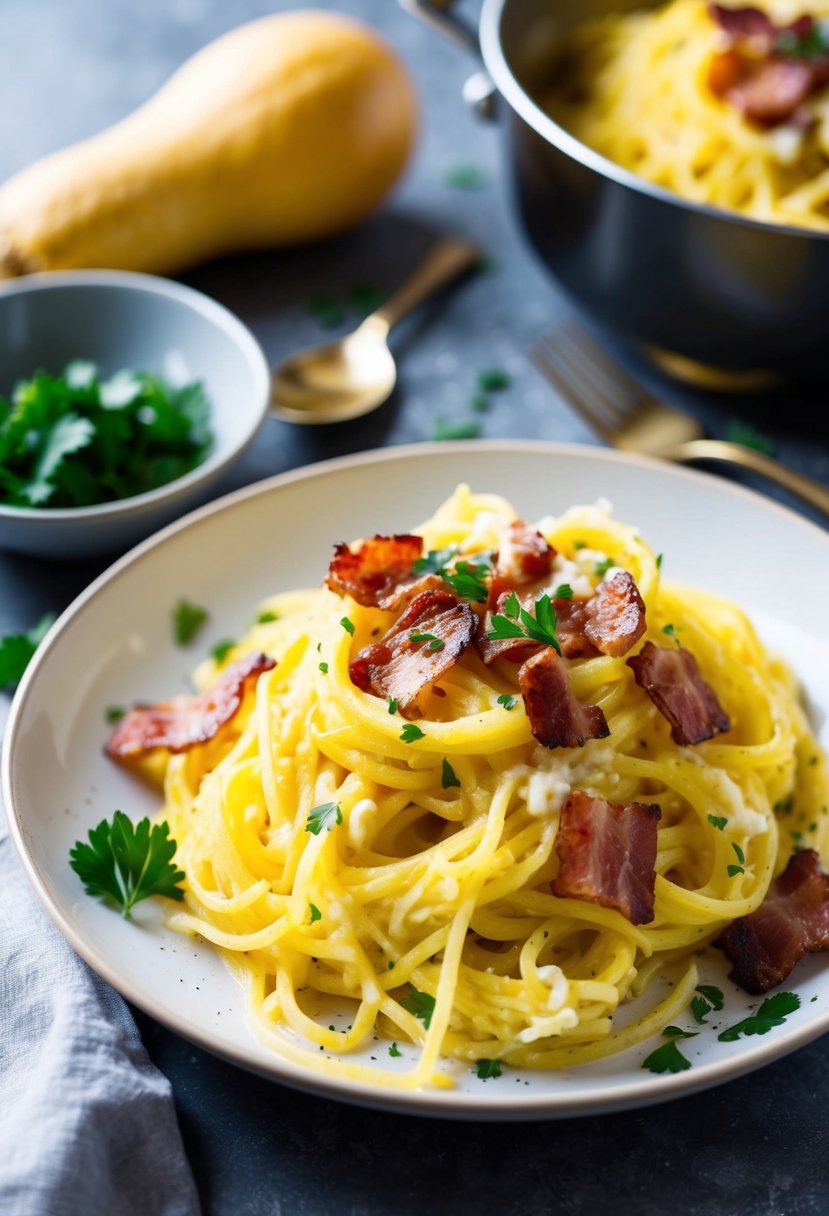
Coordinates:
[522,104]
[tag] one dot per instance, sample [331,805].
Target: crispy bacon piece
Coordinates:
[526,556]
[186,721]
[607,853]
[401,668]
[615,616]
[764,72]
[792,920]
[374,570]
[557,717]
[672,680]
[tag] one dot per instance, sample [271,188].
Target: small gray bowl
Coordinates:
[123,320]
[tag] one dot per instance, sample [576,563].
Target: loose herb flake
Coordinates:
[114,713]
[432,641]
[718,821]
[265,618]
[410,733]
[486,1069]
[395,1051]
[507,700]
[467,428]
[347,624]
[747,436]
[421,1004]
[392,705]
[324,817]
[667,1058]
[448,779]
[465,177]
[221,650]
[17,650]
[773,1012]
[315,913]
[493,380]
[517,622]
[124,863]
[188,618]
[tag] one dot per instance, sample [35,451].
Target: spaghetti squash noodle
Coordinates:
[342,856]
[659,92]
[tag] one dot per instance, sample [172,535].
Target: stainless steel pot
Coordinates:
[699,289]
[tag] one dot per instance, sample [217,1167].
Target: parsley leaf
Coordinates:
[493,380]
[315,914]
[710,999]
[17,650]
[465,429]
[466,578]
[392,705]
[747,436]
[325,816]
[563,592]
[114,713]
[323,666]
[712,994]
[448,777]
[517,622]
[395,1051]
[434,642]
[265,618]
[465,177]
[347,624]
[773,1012]
[188,619]
[667,1058]
[484,1069]
[222,649]
[733,870]
[421,1004]
[126,862]
[718,821]
[601,568]
[507,700]
[410,733]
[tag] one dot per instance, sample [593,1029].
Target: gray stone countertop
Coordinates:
[757,1146]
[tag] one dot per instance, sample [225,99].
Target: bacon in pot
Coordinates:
[400,667]
[792,920]
[184,722]
[671,678]
[607,854]
[557,717]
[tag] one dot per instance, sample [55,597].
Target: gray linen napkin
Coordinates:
[87,1123]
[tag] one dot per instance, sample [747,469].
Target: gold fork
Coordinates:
[627,416]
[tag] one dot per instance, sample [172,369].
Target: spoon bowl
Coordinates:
[350,377]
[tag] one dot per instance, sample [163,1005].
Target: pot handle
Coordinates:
[479,92]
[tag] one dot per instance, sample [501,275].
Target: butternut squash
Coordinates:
[287,129]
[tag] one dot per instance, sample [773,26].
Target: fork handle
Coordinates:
[804,487]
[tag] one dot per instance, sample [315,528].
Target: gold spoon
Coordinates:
[351,377]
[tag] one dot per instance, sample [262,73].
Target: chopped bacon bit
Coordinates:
[186,721]
[792,920]
[374,570]
[616,616]
[766,72]
[403,669]
[401,596]
[557,717]
[607,853]
[572,617]
[527,555]
[672,680]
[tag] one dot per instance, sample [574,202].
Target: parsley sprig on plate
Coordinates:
[124,862]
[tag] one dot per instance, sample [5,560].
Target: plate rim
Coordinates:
[613,1095]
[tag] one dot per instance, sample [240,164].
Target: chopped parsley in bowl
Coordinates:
[76,439]
[124,399]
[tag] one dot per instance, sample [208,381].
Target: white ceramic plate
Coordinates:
[114,645]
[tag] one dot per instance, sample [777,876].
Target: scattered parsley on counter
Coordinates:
[410,733]
[668,1057]
[221,650]
[125,862]
[421,1004]
[747,436]
[325,308]
[493,380]
[465,177]
[73,440]
[448,777]
[486,1069]
[517,622]
[324,817]
[17,650]
[465,429]
[773,1012]
[188,619]
[366,298]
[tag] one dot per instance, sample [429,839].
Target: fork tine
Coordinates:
[620,394]
[572,389]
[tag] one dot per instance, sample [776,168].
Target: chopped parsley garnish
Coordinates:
[784,807]
[659,557]
[265,618]
[17,650]
[493,380]
[432,641]
[325,308]
[747,436]
[479,402]
[324,817]
[773,1012]
[718,821]
[410,733]
[366,298]
[465,577]
[486,1069]
[125,862]
[314,913]
[221,650]
[579,544]
[733,870]
[668,1057]
[507,700]
[395,1051]
[347,624]
[188,619]
[709,999]
[465,177]
[323,668]
[517,622]
[114,713]
[73,440]
[669,631]
[601,568]
[421,1004]
[448,777]
[465,429]
[392,705]
[563,592]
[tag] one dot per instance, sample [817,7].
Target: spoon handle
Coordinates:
[450,258]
